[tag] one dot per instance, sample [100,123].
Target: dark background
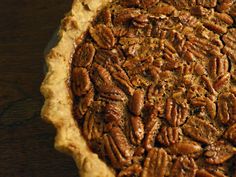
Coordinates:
[26,142]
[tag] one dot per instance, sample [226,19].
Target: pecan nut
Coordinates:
[84,55]
[156,163]
[114,114]
[84,103]
[111,93]
[151,127]
[137,130]
[120,76]
[219,152]
[201,130]
[81,81]
[189,148]
[133,170]
[175,114]
[140,21]
[227,108]
[229,40]
[136,102]
[117,148]
[184,167]
[92,128]
[169,135]
[222,81]
[103,36]
[230,133]
[100,76]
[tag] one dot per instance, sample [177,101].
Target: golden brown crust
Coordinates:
[57,108]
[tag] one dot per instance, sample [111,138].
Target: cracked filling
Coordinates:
[154,85]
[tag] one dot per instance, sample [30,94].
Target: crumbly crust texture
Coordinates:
[58,104]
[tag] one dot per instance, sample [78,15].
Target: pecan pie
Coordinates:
[145,88]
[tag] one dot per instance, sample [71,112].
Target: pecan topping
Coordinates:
[227,108]
[157,77]
[169,135]
[103,36]
[184,167]
[175,114]
[201,130]
[137,130]
[81,81]
[219,152]
[156,163]
[84,55]
[136,102]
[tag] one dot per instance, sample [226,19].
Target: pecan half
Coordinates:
[136,102]
[114,114]
[184,167]
[84,103]
[103,36]
[92,128]
[105,57]
[163,9]
[219,152]
[230,41]
[175,114]
[133,170]
[140,21]
[218,66]
[83,57]
[169,135]
[111,93]
[120,76]
[137,130]
[81,81]
[201,130]
[230,133]
[100,76]
[211,108]
[125,16]
[117,148]
[151,127]
[224,5]
[222,81]
[189,148]
[227,108]
[156,163]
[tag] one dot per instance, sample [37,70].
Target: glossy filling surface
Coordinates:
[154,86]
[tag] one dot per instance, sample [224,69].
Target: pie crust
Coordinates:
[58,104]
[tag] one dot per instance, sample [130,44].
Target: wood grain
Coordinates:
[26,142]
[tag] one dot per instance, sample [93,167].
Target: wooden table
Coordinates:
[26,142]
